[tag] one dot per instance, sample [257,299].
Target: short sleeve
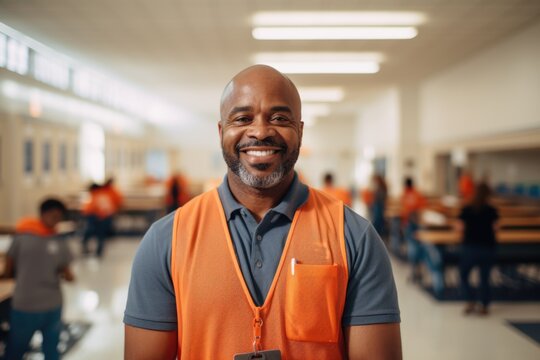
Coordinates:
[66,256]
[371,290]
[151,300]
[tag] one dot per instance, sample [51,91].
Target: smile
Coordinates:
[260,153]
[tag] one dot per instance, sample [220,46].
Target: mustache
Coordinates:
[266,142]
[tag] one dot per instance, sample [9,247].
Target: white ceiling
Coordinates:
[186,50]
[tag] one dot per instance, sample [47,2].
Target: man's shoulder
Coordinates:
[355,221]
[163,225]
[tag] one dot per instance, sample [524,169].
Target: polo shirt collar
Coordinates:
[293,199]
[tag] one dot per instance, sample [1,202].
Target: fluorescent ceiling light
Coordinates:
[321,94]
[316,56]
[335,67]
[334,33]
[339,18]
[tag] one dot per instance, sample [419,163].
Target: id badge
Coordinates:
[261,355]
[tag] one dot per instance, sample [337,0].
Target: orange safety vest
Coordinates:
[33,226]
[301,315]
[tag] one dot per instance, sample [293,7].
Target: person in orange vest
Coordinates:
[466,186]
[38,259]
[334,191]
[263,266]
[114,194]
[177,192]
[412,202]
[98,211]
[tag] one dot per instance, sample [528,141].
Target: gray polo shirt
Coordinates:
[371,292]
[38,262]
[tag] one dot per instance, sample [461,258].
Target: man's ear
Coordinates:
[220,130]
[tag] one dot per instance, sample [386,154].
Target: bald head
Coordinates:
[259,78]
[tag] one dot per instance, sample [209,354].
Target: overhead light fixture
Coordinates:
[321,63]
[308,56]
[334,33]
[321,94]
[335,67]
[337,18]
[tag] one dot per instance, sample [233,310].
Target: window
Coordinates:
[63,157]
[28,156]
[46,157]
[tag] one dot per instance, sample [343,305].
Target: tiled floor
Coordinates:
[430,330]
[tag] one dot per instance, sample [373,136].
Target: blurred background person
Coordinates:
[334,191]
[412,202]
[377,207]
[117,200]
[478,225]
[98,212]
[177,192]
[466,186]
[37,259]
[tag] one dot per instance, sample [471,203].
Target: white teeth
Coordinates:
[260,153]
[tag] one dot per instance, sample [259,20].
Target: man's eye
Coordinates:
[242,119]
[280,118]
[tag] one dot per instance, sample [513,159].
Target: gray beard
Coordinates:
[258,182]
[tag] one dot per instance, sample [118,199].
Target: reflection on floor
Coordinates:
[430,329]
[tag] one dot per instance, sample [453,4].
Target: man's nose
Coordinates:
[261,129]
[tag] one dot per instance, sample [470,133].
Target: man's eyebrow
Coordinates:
[281,109]
[238,109]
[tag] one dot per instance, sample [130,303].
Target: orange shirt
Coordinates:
[101,204]
[466,187]
[338,193]
[411,202]
[115,196]
[33,226]
[301,315]
[367,196]
[183,193]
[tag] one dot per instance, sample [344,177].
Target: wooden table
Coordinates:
[454,237]
[441,247]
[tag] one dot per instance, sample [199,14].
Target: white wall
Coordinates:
[326,147]
[378,135]
[496,91]
[379,123]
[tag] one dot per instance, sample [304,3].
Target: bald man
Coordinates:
[263,266]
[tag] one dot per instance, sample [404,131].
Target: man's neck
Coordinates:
[258,201]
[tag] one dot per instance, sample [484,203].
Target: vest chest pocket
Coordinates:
[311,311]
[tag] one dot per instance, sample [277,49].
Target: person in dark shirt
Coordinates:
[478,224]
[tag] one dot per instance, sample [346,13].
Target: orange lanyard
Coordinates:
[257,331]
